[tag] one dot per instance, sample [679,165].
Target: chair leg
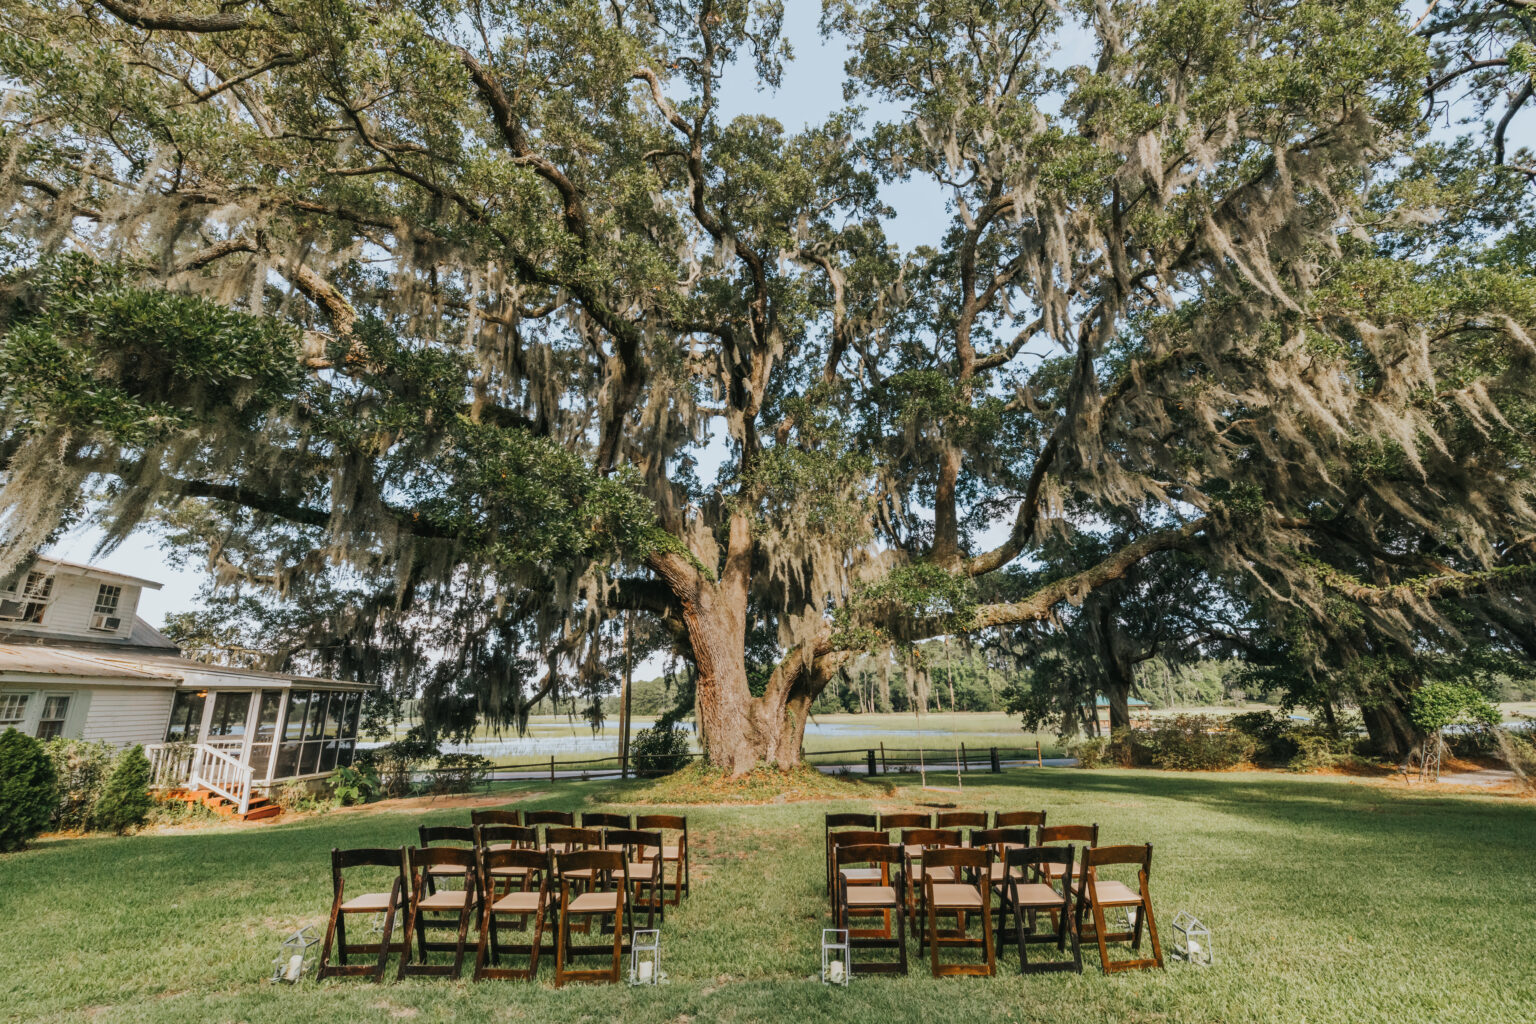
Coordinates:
[384,934]
[560,950]
[330,936]
[410,926]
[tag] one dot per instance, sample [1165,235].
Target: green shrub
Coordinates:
[1196,743]
[397,763]
[659,751]
[28,789]
[1090,753]
[81,769]
[459,773]
[125,801]
[356,784]
[1313,752]
[299,795]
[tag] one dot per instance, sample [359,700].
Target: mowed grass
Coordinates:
[1329,900]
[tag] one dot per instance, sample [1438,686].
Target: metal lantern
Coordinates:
[645,957]
[1192,940]
[294,956]
[836,956]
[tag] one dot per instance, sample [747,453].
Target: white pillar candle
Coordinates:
[835,971]
[647,969]
[295,967]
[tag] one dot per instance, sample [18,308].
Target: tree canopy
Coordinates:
[421,316]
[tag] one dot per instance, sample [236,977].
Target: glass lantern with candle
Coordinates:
[294,956]
[645,957]
[836,956]
[1192,940]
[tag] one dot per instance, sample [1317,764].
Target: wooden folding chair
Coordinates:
[675,854]
[1098,894]
[866,822]
[497,838]
[642,854]
[531,866]
[999,841]
[593,884]
[1025,899]
[460,836]
[915,843]
[959,897]
[1018,819]
[602,819]
[904,819]
[858,877]
[370,903]
[562,819]
[884,898]
[960,819]
[465,903]
[495,817]
[1087,835]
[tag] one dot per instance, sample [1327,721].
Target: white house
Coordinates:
[77,661]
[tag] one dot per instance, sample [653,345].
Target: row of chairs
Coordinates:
[504,873]
[937,871]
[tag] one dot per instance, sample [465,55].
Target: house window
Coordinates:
[186,716]
[29,603]
[51,724]
[104,617]
[13,708]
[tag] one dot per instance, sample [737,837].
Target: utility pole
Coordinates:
[624,698]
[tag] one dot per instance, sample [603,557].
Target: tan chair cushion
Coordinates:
[672,852]
[496,847]
[996,869]
[873,896]
[937,874]
[1035,894]
[375,902]
[510,871]
[644,872]
[1050,870]
[1115,894]
[952,896]
[582,874]
[445,869]
[518,902]
[594,903]
[447,899]
[862,876]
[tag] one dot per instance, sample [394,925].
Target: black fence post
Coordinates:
[871,761]
[551,767]
[997,765]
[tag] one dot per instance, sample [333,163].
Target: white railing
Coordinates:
[198,765]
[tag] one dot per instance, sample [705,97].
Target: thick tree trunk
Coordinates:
[1119,693]
[1391,731]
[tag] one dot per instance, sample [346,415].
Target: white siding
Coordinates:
[73,605]
[124,715]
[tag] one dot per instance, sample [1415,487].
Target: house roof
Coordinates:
[93,571]
[40,660]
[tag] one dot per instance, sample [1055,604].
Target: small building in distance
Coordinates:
[77,661]
[1137,707]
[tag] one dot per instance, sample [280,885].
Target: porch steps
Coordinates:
[260,807]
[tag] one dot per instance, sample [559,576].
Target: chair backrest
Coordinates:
[1013,819]
[859,837]
[516,835]
[438,834]
[961,819]
[634,842]
[1000,839]
[1026,856]
[496,817]
[570,839]
[904,819]
[603,864]
[868,853]
[1102,855]
[601,819]
[663,822]
[532,861]
[1068,834]
[846,820]
[955,857]
[434,856]
[532,818]
[367,857]
[930,837]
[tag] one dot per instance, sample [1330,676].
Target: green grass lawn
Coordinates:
[1329,900]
